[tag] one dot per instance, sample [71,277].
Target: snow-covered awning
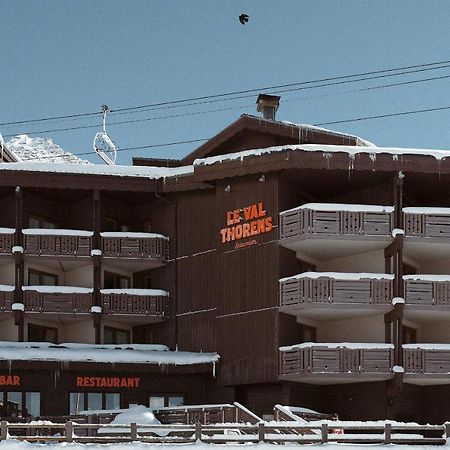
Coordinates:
[102,353]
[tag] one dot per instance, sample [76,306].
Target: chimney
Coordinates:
[268,105]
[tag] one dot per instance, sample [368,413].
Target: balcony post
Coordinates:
[18,263]
[96,222]
[96,257]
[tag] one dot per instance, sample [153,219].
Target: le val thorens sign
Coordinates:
[246,222]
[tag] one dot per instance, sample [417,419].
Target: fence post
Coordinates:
[198,430]
[69,431]
[447,429]
[324,433]
[261,432]
[387,433]
[3,430]
[133,431]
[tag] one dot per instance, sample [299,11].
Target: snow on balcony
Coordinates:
[138,292]
[58,289]
[56,232]
[342,207]
[344,276]
[132,235]
[336,345]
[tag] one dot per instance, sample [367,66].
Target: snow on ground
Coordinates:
[37,149]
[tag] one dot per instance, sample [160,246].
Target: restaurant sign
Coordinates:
[246,222]
[108,382]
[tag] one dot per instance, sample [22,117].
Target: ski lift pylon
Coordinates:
[103,145]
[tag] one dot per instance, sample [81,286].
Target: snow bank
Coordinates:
[130,354]
[7,230]
[341,276]
[6,288]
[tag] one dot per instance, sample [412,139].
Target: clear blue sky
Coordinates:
[64,57]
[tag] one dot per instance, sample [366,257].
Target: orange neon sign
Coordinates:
[9,380]
[117,382]
[246,222]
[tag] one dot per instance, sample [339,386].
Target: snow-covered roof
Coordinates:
[427,277]
[25,148]
[134,235]
[97,169]
[303,126]
[138,292]
[343,207]
[352,151]
[347,276]
[57,232]
[334,345]
[126,353]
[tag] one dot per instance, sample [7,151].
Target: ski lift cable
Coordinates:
[220,97]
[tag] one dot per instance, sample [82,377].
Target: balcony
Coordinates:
[57,242]
[57,299]
[427,233]
[325,363]
[149,249]
[426,364]
[311,228]
[339,294]
[6,240]
[143,303]
[6,298]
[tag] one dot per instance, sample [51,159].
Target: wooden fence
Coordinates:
[143,305]
[427,225]
[153,248]
[270,432]
[57,245]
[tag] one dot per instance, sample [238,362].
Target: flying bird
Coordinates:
[243,18]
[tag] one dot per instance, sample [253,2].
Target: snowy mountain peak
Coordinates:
[28,149]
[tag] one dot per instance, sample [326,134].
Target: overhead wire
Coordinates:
[330,81]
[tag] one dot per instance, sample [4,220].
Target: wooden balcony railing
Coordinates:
[329,359]
[142,302]
[52,242]
[432,359]
[135,246]
[427,222]
[312,220]
[427,290]
[322,289]
[6,298]
[6,240]
[57,299]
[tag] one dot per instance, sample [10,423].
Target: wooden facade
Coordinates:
[211,246]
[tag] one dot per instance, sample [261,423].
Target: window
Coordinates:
[93,401]
[39,222]
[160,401]
[115,225]
[38,333]
[115,336]
[37,278]
[307,333]
[20,404]
[115,281]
